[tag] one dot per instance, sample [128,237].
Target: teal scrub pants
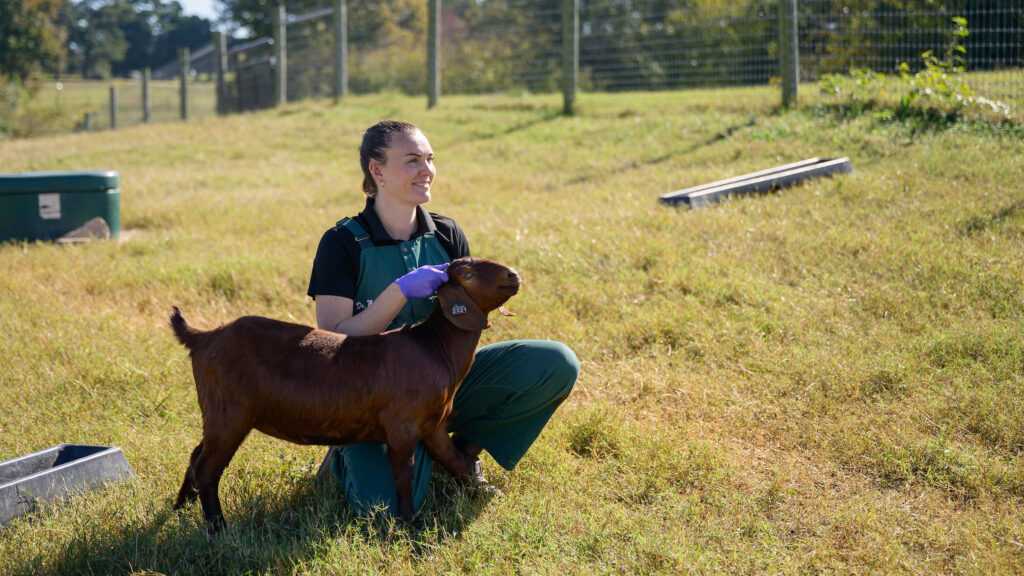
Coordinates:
[511,391]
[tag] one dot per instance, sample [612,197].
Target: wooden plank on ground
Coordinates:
[758,182]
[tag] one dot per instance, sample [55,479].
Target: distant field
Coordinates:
[823,380]
[81,96]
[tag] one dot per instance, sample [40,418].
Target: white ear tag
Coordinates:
[458,308]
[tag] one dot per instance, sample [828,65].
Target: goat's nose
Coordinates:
[512,273]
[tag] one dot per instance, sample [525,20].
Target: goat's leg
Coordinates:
[401,455]
[188,491]
[441,449]
[213,459]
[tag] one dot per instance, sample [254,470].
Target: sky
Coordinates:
[204,8]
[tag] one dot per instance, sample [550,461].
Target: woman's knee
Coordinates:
[563,365]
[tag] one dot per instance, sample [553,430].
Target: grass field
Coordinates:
[823,380]
[64,110]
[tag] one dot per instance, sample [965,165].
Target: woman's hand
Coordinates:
[423,281]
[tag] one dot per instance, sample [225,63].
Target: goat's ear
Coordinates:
[460,309]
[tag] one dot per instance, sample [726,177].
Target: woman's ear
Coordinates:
[460,309]
[374,167]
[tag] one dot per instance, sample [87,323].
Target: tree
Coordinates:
[258,15]
[118,37]
[31,39]
[154,30]
[388,45]
[95,39]
[180,32]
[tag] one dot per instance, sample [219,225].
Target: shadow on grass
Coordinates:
[981,224]
[715,138]
[270,532]
[917,120]
[547,116]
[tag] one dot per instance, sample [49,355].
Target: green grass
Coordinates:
[823,380]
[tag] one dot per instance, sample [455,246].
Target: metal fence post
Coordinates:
[147,107]
[281,56]
[570,54]
[113,107]
[789,52]
[340,49]
[220,64]
[184,72]
[433,52]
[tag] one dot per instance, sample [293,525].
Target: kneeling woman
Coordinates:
[379,270]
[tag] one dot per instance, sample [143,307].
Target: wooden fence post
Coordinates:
[113,107]
[789,51]
[340,49]
[433,52]
[570,54]
[184,72]
[147,107]
[280,33]
[220,64]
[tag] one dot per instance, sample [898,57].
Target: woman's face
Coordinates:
[408,171]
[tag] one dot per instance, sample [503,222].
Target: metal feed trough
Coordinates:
[56,473]
[757,182]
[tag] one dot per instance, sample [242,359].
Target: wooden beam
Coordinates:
[757,182]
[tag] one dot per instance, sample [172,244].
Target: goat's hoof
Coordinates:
[478,484]
[486,491]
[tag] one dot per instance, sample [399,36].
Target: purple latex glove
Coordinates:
[423,281]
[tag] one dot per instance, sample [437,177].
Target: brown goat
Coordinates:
[312,386]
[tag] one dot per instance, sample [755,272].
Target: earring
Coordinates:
[381,185]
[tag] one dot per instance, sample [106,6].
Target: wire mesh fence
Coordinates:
[89,102]
[201,64]
[837,37]
[500,46]
[662,45]
[492,46]
[387,48]
[249,77]
[310,44]
[674,45]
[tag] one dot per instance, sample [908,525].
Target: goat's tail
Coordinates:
[186,334]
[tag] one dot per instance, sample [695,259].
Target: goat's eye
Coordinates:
[468,276]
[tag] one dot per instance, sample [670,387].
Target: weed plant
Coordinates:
[935,91]
[823,380]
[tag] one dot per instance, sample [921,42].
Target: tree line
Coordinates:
[94,38]
[626,44]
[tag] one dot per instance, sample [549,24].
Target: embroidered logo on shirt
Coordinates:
[459,308]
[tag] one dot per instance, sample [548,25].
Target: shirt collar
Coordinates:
[424,224]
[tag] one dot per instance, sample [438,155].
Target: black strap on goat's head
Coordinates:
[460,308]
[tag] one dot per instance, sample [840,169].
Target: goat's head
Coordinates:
[475,287]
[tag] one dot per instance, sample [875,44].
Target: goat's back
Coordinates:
[311,386]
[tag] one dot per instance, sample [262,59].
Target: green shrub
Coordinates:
[938,88]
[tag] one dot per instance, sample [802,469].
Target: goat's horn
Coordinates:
[505,311]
